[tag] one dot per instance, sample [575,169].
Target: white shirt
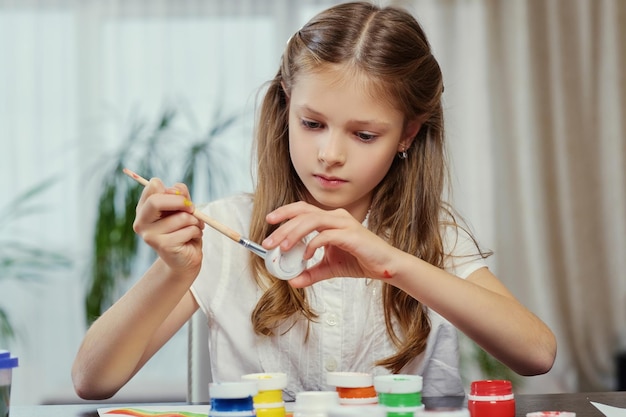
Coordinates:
[350,334]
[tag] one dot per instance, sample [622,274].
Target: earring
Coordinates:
[402,155]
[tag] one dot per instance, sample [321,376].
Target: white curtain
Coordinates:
[558,106]
[535,100]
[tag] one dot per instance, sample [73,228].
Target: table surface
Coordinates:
[525,403]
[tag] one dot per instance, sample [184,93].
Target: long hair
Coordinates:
[390,48]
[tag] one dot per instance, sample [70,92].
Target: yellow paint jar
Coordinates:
[269,400]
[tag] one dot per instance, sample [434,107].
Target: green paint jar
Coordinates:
[400,394]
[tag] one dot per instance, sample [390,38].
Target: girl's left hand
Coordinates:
[350,249]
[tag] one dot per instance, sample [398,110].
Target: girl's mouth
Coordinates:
[329,181]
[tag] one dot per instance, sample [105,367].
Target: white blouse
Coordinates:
[349,335]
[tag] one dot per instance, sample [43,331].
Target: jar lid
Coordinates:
[357,411]
[349,379]
[316,400]
[226,390]
[491,387]
[6,361]
[268,381]
[551,414]
[398,384]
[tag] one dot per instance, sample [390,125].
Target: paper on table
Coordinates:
[609,410]
[156,411]
[163,411]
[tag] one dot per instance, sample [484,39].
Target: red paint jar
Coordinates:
[491,398]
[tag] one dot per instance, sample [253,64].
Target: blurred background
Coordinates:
[535,101]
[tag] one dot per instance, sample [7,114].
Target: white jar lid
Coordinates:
[315,400]
[398,384]
[349,379]
[268,381]
[358,411]
[227,390]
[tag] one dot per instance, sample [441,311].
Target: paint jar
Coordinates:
[491,398]
[7,363]
[354,388]
[232,399]
[357,411]
[551,414]
[315,403]
[269,400]
[400,394]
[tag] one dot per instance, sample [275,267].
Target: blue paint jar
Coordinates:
[7,363]
[232,399]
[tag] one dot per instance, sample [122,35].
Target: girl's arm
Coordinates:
[482,308]
[479,306]
[122,340]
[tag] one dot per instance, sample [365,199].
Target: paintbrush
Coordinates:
[283,265]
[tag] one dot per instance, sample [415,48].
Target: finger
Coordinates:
[155,185]
[170,227]
[341,238]
[179,189]
[303,280]
[177,238]
[177,220]
[159,206]
[165,202]
[291,232]
[289,211]
[298,222]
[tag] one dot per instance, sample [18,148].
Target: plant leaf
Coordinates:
[7,333]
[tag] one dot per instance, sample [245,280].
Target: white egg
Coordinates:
[286,265]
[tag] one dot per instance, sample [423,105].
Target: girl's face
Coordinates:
[342,141]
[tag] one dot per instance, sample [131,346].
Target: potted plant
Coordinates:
[21,259]
[476,363]
[150,149]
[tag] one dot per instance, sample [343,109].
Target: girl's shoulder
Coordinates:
[462,252]
[457,240]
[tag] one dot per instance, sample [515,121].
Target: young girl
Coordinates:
[350,157]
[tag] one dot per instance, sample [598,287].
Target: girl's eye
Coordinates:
[309,124]
[365,137]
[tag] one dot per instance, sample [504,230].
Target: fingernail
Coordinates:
[187,202]
[268,241]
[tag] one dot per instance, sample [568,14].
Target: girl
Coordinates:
[351,158]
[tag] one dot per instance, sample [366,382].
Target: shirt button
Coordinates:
[331,364]
[331,319]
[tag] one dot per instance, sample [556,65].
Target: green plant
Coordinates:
[150,149]
[475,359]
[492,368]
[21,259]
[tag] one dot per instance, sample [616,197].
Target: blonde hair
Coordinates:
[389,46]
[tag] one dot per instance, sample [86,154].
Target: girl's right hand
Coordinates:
[165,221]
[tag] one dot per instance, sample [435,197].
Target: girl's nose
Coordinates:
[331,150]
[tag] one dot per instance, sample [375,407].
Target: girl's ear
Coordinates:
[410,131]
